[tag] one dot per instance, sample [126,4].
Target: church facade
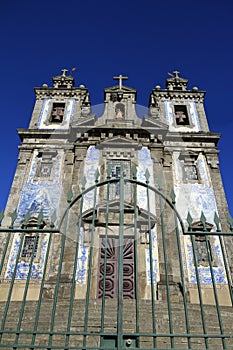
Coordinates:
[116,232]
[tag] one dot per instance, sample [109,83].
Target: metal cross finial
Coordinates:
[176,73]
[120,78]
[64,71]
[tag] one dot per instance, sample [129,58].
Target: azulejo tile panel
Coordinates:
[36,195]
[81,272]
[40,194]
[154,262]
[196,198]
[23,266]
[145,163]
[91,164]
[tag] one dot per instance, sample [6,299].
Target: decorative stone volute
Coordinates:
[176,82]
[63,81]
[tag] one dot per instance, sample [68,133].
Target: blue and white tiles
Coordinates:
[154,257]
[195,198]
[81,272]
[23,265]
[91,164]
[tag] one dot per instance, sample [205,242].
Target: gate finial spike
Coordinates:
[217,221]
[122,170]
[109,171]
[53,219]
[189,220]
[26,217]
[173,196]
[203,220]
[230,221]
[160,182]
[70,195]
[1,216]
[134,171]
[13,218]
[147,175]
[84,181]
[40,218]
[97,175]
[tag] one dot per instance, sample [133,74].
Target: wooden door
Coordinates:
[112,263]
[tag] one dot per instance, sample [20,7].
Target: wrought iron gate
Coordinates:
[68,301]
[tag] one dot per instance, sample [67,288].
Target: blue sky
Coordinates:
[143,40]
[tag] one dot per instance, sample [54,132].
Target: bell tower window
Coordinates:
[57,113]
[181,115]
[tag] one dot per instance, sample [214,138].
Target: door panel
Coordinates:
[112,254]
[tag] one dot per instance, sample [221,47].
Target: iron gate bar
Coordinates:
[105,251]
[215,291]
[226,269]
[166,270]
[182,274]
[199,292]
[136,255]
[4,252]
[151,264]
[29,230]
[63,240]
[90,263]
[162,335]
[26,290]
[210,233]
[12,284]
[41,293]
[125,180]
[72,293]
[120,265]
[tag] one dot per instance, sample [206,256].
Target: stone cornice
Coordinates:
[205,137]
[42,134]
[197,96]
[42,93]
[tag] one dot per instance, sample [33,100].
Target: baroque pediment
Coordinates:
[113,209]
[119,142]
[115,88]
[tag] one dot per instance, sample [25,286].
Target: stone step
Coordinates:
[129,322]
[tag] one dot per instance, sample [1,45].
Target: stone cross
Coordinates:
[120,78]
[176,73]
[64,71]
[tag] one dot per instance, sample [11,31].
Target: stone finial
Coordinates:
[63,81]
[176,82]
[120,78]
[64,71]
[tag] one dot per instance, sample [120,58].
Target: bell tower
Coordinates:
[45,157]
